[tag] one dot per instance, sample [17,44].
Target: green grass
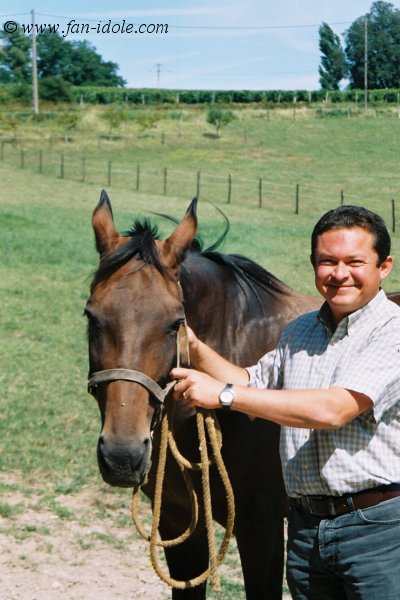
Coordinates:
[228,591]
[48,423]
[357,155]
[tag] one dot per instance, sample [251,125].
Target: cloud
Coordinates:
[164,58]
[158,12]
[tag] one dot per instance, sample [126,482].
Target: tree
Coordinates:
[383,26]
[115,115]
[53,55]
[87,67]
[15,62]
[147,120]
[219,118]
[76,63]
[333,66]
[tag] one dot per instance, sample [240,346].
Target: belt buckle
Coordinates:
[329,503]
[331,507]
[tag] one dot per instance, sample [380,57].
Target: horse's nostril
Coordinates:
[102,446]
[123,464]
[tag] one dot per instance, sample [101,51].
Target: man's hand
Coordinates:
[198,389]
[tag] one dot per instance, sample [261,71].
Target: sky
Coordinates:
[209,44]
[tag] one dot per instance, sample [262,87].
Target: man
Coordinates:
[333,383]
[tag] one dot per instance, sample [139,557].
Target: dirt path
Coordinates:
[79,546]
[60,551]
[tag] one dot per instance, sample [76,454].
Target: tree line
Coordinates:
[61,64]
[371,51]
[64,65]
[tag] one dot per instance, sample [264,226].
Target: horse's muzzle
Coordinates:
[123,465]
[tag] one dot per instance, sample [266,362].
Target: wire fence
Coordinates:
[292,197]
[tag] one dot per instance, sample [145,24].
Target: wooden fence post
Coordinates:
[165,181]
[198,185]
[341,197]
[260,193]
[393,216]
[137,177]
[229,188]
[296,210]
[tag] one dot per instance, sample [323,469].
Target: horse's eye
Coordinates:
[92,319]
[87,313]
[174,327]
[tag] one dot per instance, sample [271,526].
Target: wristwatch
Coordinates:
[227,396]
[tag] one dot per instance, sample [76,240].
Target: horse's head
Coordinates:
[135,310]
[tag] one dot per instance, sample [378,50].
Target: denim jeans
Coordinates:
[355,556]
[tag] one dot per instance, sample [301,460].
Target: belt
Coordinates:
[333,506]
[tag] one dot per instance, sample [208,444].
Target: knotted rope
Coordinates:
[207,424]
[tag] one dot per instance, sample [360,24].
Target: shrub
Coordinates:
[219,118]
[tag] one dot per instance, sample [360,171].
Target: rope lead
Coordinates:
[206,423]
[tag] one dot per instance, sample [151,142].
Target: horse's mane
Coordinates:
[140,242]
[248,272]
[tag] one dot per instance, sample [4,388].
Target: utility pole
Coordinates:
[34,67]
[158,69]
[366,63]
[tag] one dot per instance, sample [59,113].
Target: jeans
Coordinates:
[355,556]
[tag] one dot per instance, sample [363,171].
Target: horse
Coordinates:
[394,297]
[141,293]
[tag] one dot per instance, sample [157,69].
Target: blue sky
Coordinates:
[224,44]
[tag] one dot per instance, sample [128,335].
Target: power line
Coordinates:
[24,14]
[205,27]
[255,27]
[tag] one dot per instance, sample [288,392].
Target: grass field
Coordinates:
[323,155]
[48,423]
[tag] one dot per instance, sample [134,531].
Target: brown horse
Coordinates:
[142,291]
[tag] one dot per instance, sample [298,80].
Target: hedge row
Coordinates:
[109,95]
[97,95]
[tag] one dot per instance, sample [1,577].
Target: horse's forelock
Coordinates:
[139,241]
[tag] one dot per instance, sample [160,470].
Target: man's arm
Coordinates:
[205,359]
[310,409]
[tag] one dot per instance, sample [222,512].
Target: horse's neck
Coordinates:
[206,285]
[240,327]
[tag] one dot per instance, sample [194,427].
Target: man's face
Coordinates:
[346,269]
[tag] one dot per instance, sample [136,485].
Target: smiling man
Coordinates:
[333,384]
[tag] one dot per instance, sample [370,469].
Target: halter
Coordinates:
[159,393]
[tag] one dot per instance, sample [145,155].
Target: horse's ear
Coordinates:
[103,225]
[176,245]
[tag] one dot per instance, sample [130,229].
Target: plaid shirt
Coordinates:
[363,355]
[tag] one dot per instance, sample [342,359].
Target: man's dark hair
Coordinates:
[347,217]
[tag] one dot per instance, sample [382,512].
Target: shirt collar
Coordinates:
[346,324]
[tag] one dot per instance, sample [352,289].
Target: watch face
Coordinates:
[226,398]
